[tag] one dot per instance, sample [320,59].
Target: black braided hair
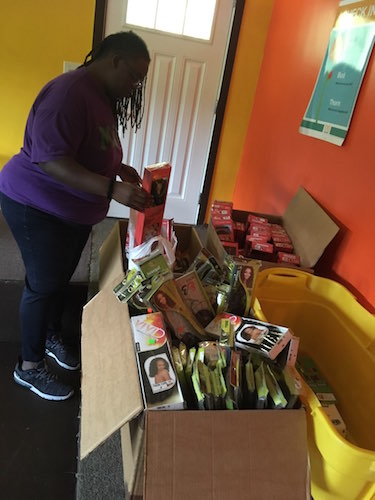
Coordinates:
[129,45]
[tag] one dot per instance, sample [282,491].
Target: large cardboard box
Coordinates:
[206,454]
[309,227]
[226,455]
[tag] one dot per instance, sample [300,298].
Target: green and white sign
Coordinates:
[332,103]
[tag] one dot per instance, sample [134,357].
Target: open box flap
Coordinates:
[189,243]
[214,245]
[111,394]
[227,454]
[309,227]
[111,260]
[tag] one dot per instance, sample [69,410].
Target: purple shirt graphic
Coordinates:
[72,116]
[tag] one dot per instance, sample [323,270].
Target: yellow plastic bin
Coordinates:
[339,335]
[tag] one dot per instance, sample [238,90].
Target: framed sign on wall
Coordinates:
[332,103]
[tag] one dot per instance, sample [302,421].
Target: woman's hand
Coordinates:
[71,173]
[131,195]
[129,174]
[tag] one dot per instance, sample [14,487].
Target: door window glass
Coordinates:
[192,18]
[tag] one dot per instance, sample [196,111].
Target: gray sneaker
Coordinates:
[42,382]
[56,350]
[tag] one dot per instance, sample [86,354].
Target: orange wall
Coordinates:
[277,159]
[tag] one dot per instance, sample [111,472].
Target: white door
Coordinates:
[183,85]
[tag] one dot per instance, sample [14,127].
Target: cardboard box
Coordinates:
[308,226]
[225,455]
[215,454]
[242,442]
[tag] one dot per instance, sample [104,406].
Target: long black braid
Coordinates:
[131,108]
[128,44]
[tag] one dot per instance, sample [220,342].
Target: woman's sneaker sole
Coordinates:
[50,397]
[61,363]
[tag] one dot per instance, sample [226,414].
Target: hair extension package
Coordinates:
[252,335]
[159,384]
[149,223]
[244,275]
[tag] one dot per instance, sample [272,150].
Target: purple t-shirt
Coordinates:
[72,116]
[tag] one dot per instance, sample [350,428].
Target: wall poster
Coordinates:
[349,49]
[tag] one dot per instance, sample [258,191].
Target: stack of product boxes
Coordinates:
[256,239]
[194,340]
[221,218]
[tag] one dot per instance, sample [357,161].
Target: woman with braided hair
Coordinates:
[60,184]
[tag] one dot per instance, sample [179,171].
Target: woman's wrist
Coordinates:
[111,187]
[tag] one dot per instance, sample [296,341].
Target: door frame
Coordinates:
[239,5]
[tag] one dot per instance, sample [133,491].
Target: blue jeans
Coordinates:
[50,249]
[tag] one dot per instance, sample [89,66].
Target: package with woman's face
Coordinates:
[159,383]
[195,298]
[252,334]
[265,339]
[160,373]
[181,321]
[241,296]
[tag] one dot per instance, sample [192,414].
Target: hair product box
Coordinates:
[265,339]
[159,383]
[155,181]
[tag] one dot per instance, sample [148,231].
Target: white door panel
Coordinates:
[182,88]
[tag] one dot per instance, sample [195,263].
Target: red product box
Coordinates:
[223,228]
[218,212]
[222,223]
[231,247]
[262,251]
[283,247]
[255,219]
[288,258]
[258,228]
[262,247]
[276,228]
[282,238]
[167,228]
[220,218]
[225,237]
[261,234]
[250,240]
[222,205]
[261,226]
[155,181]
